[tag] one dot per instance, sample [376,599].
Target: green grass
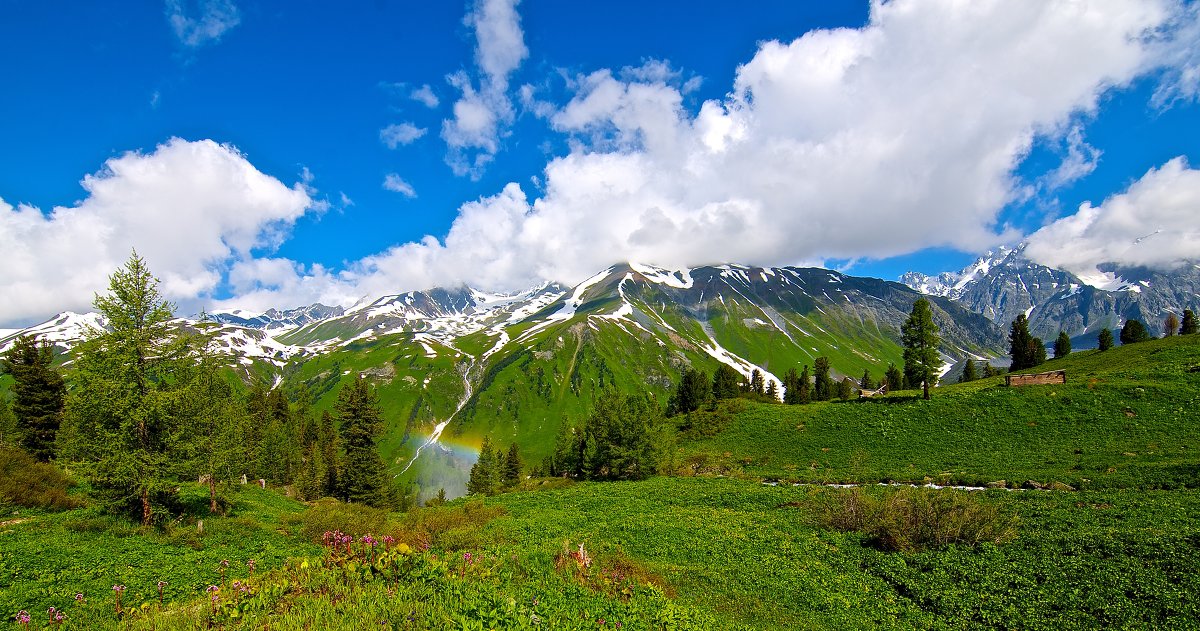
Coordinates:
[1125,418]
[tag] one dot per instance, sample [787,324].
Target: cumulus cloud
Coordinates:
[400,134]
[482,114]
[1154,223]
[425,96]
[396,184]
[840,144]
[199,22]
[189,208]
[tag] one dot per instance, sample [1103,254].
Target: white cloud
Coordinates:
[425,96]
[400,134]
[200,22]
[841,144]
[189,208]
[482,115]
[396,184]
[1154,223]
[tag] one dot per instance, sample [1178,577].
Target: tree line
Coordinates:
[150,405]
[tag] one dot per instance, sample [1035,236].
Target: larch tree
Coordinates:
[39,395]
[920,337]
[1170,325]
[127,410]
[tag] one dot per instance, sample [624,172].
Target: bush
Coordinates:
[911,519]
[31,484]
[328,515]
[449,527]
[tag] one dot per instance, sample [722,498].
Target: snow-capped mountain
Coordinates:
[1005,283]
[273,318]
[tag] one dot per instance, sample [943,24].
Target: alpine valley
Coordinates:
[452,365]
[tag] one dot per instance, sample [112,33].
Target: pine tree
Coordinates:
[1134,332]
[1036,352]
[1170,325]
[39,395]
[968,373]
[791,387]
[920,337]
[725,382]
[867,383]
[1189,325]
[1020,344]
[1104,340]
[772,392]
[845,388]
[893,377]
[513,464]
[1062,345]
[363,475]
[823,386]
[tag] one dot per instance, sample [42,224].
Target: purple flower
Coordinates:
[467,557]
[23,617]
[252,565]
[211,589]
[224,562]
[118,588]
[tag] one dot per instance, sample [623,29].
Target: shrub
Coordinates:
[32,484]
[450,527]
[353,519]
[911,519]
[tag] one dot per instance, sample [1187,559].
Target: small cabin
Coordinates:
[1041,378]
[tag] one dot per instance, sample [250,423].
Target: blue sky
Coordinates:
[310,201]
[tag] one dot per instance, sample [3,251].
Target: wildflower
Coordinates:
[388,541]
[59,617]
[467,557]
[212,589]
[79,597]
[534,619]
[251,565]
[23,618]
[224,562]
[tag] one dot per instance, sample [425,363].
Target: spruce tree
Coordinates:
[823,386]
[39,395]
[326,469]
[968,372]
[693,392]
[845,388]
[1189,325]
[893,377]
[867,383]
[1104,340]
[920,338]
[756,382]
[1170,325]
[791,387]
[725,382]
[1020,344]
[805,395]
[1134,332]
[1062,345]
[484,476]
[513,464]
[363,474]
[9,437]
[772,392]
[1037,352]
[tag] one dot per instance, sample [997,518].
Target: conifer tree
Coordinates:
[513,464]
[363,475]
[845,388]
[725,382]
[1189,325]
[1170,325]
[791,387]
[1134,332]
[484,475]
[756,382]
[326,469]
[1104,340]
[920,337]
[39,395]
[1020,345]
[823,386]
[1062,345]
[693,392]
[772,393]
[968,373]
[125,411]
[805,395]
[867,383]
[9,436]
[893,377]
